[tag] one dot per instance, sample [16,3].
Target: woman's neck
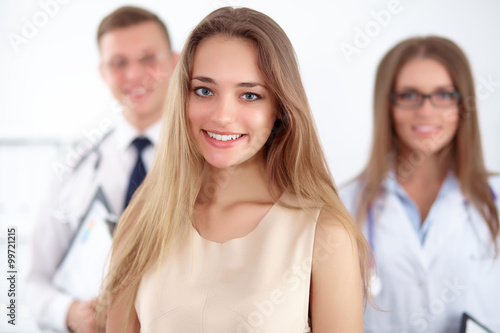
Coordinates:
[422,180]
[427,168]
[242,183]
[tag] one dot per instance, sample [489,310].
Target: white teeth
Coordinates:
[138,91]
[220,137]
[425,128]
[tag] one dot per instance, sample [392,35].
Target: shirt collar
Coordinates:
[391,185]
[126,133]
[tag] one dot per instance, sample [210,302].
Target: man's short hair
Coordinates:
[127,16]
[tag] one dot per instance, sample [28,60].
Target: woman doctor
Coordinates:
[425,201]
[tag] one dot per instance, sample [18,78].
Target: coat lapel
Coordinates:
[450,219]
[392,219]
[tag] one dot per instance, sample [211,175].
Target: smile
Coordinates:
[426,129]
[138,91]
[220,137]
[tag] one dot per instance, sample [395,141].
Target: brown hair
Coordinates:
[464,153]
[163,206]
[127,16]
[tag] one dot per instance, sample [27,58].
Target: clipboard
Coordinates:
[471,325]
[85,263]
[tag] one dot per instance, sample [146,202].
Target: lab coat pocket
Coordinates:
[483,299]
[485,267]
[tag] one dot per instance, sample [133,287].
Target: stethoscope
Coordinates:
[376,282]
[67,218]
[94,150]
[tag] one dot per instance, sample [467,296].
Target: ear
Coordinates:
[102,71]
[174,58]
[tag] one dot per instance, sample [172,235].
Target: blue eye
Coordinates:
[251,96]
[446,95]
[202,91]
[408,96]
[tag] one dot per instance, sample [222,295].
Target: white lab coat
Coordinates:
[109,167]
[427,287]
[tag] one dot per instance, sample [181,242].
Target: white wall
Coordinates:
[51,87]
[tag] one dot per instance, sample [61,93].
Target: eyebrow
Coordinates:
[207,79]
[451,86]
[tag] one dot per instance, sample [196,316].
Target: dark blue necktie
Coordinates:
[139,171]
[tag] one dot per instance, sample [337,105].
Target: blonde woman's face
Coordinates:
[430,125]
[231,111]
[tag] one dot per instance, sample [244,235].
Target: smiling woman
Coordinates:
[428,126]
[229,99]
[237,226]
[425,200]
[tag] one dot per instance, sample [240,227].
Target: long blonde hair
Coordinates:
[464,153]
[158,215]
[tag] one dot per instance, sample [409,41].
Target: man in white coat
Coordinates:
[136,63]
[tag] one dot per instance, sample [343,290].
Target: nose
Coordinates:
[135,70]
[426,108]
[225,111]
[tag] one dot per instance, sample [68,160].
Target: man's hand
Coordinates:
[81,316]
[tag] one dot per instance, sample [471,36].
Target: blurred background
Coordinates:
[51,95]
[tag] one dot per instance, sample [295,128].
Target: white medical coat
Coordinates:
[426,288]
[109,167]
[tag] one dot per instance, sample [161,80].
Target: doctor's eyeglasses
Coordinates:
[415,99]
[119,64]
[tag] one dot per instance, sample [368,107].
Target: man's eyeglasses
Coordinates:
[120,64]
[415,99]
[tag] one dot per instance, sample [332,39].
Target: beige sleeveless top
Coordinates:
[257,283]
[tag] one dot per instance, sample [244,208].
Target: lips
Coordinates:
[138,93]
[223,139]
[426,129]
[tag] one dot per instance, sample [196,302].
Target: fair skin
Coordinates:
[140,86]
[136,64]
[225,105]
[229,97]
[426,130]
[81,316]
[336,298]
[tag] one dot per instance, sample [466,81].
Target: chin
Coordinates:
[427,149]
[220,163]
[142,111]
